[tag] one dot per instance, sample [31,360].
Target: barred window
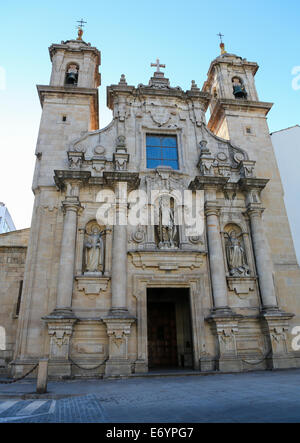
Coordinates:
[162,151]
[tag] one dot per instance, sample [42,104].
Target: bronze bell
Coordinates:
[72,78]
[239,91]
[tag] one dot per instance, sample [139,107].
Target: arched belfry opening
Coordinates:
[239,90]
[72,72]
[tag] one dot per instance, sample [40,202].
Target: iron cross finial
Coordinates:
[220,35]
[81,23]
[80,28]
[157,65]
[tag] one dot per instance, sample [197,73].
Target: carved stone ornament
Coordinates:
[121,162]
[166,262]
[238,157]
[227,339]
[92,287]
[196,240]
[75,159]
[99,151]
[160,117]
[139,235]
[121,141]
[60,334]
[221,156]
[241,287]
[247,168]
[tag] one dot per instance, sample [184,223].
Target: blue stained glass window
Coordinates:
[162,151]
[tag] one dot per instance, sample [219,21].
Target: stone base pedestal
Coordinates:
[207,364]
[117,368]
[59,369]
[225,326]
[275,325]
[60,329]
[284,362]
[118,330]
[21,367]
[229,365]
[140,367]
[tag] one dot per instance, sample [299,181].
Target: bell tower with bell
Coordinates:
[237,114]
[69,102]
[232,87]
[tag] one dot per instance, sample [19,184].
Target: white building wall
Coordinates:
[6,222]
[287,149]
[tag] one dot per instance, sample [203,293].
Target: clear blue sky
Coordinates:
[131,34]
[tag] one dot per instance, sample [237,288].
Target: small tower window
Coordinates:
[239,90]
[72,75]
[64,118]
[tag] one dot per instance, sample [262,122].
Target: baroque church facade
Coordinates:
[114,300]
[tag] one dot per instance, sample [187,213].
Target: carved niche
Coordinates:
[235,251]
[94,249]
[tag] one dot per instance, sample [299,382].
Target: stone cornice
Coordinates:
[112,178]
[61,177]
[247,184]
[233,60]
[223,105]
[144,90]
[74,46]
[44,90]
[202,182]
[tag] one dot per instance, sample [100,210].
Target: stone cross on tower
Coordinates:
[157,65]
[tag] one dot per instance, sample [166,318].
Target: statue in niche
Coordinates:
[166,228]
[239,90]
[236,256]
[94,250]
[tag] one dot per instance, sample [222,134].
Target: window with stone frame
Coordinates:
[161,151]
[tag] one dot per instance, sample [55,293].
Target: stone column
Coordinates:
[119,267]
[67,257]
[216,259]
[119,320]
[61,321]
[262,258]
[223,320]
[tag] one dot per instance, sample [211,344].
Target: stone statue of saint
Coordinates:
[236,256]
[167,229]
[94,251]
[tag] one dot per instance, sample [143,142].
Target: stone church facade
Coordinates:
[116,300]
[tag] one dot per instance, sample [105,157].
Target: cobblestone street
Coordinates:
[253,397]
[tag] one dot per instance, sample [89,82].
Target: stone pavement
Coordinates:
[249,397]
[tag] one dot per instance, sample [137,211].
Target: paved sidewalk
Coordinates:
[251,397]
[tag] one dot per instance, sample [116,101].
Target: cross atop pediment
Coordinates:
[157,65]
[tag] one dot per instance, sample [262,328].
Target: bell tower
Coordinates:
[238,115]
[69,102]
[232,87]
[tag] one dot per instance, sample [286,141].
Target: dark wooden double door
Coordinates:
[162,336]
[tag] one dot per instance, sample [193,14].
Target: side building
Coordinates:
[286,144]
[6,222]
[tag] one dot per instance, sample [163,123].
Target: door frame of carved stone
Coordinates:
[195,284]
